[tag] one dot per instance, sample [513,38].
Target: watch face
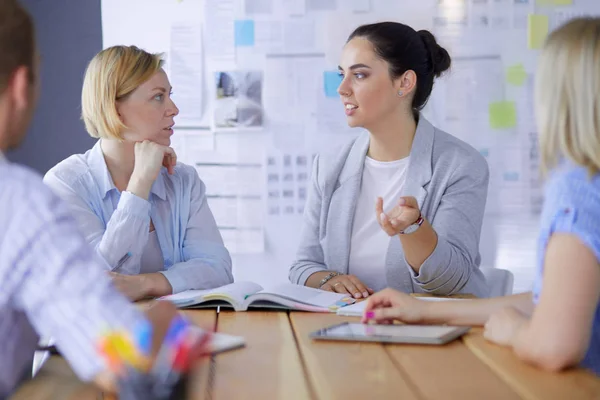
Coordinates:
[410,229]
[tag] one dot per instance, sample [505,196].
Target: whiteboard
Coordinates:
[254,81]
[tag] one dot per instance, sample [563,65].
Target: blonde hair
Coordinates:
[111,76]
[567,95]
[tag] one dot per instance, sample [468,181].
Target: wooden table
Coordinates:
[280,361]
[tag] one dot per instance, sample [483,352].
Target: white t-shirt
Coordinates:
[369,243]
[152,258]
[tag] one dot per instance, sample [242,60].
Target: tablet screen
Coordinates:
[415,331]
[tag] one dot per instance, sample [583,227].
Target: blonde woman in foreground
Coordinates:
[558,324]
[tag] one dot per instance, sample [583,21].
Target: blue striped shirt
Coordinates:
[572,206]
[118,223]
[51,283]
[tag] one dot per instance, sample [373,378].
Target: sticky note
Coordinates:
[537,30]
[503,115]
[511,176]
[331,82]
[516,75]
[554,2]
[244,33]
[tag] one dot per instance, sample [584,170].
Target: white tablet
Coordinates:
[420,334]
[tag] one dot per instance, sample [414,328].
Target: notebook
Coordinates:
[243,295]
[358,309]
[221,342]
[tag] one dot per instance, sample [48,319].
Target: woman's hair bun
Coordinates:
[440,59]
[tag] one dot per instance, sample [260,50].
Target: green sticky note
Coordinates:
[553,2]
[537,30]
[503,115]
[516,75]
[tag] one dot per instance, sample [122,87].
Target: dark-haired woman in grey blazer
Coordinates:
[402,205]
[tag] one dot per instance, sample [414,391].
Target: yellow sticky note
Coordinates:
[503,115]
[537,30]
[516,75]
[553,2]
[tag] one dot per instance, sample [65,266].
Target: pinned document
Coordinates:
[244,33]
[516,75]
[537,30]
[331,80]
[503,115]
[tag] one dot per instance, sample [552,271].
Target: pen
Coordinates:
[123,260]
[172,372]
[111,356]
[127,351]
[143,332]
[177,328]
[191,347]
[165,355]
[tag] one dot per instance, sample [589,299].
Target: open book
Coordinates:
[358,309]
[243,295]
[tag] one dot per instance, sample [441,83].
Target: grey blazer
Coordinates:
[448,178]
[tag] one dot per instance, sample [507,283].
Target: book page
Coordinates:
[303,294]
[237,291]
[234,292]
[358,309]
[187,297]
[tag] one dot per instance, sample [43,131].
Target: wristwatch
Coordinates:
[413,227]
[328,277]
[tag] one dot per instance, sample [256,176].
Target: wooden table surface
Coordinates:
[280,361]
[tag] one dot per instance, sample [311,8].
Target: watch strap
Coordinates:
[415,224]
[328,277]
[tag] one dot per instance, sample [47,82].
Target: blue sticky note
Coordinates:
[511,176]
[244,33]
[331,82]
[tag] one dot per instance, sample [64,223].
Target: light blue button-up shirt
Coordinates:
[572,205]
[117,223]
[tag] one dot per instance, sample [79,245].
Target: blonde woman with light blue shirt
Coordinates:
[145,214]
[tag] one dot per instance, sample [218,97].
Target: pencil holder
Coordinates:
[136,385]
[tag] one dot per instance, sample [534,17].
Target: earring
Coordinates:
[400,93]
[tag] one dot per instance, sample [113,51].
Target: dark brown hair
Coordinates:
[17,40]
[406,49]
